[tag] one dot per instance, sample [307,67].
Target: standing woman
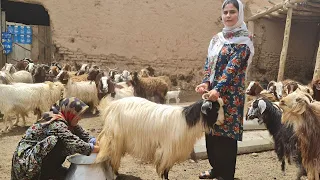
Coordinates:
[229,54]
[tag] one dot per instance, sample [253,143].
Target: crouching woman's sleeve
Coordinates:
[82,134]
[73,144]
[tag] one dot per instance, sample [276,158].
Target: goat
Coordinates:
[303,113]
[84,90]
[149,87]
[22,76]
[64,76]
[173,95]
[174,131]
[21,98]
[84,69]
[9,68]
[103,83]
[285,141]
[143,73]
[39,73]
[21,65]
[5,78]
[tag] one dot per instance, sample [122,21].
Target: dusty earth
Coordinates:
[262,166]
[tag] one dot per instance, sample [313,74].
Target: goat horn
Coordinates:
[205,96]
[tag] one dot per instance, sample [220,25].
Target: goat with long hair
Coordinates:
[150,87]
[285,141]
[303,113]
[156,133]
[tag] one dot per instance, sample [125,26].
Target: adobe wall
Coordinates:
[268,44]
[171,36]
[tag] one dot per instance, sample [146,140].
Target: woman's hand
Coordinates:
[96,149]
[213,95]
[202,88]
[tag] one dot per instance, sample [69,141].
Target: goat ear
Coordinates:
[262,106]
[271,83]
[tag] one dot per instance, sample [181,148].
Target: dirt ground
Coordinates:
[263,166]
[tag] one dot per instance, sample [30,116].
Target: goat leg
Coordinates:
[7,128]
[177,100]
[165,174]
[311,174]
[301,172]
[316,174]
[17,120]
[94,110]
[283,166]
[193,156]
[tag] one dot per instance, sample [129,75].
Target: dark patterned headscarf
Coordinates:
[66,109]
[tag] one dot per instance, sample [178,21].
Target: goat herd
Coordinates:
[27,86]
[291,114]
[290,111]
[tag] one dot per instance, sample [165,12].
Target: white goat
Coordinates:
[22,77]
[8,67]
[173,95]
[84,90]
[125,75]
[123,92]
[5,78]
[157,133]
[21,98]
[30,67]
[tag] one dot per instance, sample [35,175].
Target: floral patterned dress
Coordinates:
[229,78]
[39,140]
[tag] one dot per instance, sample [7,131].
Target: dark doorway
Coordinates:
[25,13]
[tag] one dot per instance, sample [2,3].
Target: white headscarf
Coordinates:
[219,40]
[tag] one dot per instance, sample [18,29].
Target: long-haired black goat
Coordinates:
[285,141]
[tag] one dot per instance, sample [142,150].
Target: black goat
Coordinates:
[285,141]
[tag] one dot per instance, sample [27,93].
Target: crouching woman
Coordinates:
[46,144]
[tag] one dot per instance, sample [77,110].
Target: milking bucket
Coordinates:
[83,168]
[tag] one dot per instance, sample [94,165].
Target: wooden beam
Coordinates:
[303,8]
[316,73]
[299,13]
[296,1]
[251,27]
[283,16]
[274,8]
[270,10]
[271,2]
[317,5]
[285,45]
[278,15]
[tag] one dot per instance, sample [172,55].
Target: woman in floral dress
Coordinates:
[229,54]
[47,143]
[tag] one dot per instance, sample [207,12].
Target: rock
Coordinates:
[255,154]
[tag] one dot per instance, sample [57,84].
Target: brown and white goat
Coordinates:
[300,110]
[150,87]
